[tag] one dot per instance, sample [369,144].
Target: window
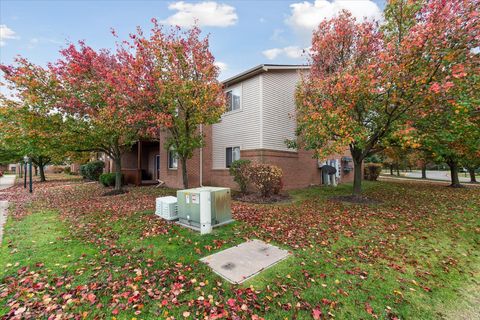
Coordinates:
[232,154]
[157,166]
[233,99]
[172,159]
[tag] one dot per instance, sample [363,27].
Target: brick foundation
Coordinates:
[299,168]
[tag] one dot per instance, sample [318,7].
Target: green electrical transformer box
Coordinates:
[189,206]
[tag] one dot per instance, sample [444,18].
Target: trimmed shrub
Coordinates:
[266,178]
[371,171]
[239,169]
[92,170]
[108,179]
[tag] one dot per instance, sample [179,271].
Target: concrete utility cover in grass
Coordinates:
[244,261]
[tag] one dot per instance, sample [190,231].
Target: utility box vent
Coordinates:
[166,207]
[204,208]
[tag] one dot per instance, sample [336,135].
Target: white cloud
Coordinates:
[292,52]
[222,66]
[207,13]
[34,42]
[271,54]
[6,34]
[305,16]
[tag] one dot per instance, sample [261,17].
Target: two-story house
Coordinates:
[260,117]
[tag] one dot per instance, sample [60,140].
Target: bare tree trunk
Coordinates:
[118,172]
[398,170]
[41,162]
[391,169]
[357,178]
[35,168]
[41,169]
[357,170]
[471,171]
[424,171]
[455,182]
[184,172]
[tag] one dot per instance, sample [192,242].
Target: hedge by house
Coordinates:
[266,178]
[371,171]
[239,169]
[92,170]
[108,179]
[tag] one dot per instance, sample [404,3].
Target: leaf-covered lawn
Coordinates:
[71,253]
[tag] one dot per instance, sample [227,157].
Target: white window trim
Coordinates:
[239,154]
[240,89]
[168,159]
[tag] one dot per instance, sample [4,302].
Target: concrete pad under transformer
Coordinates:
[242,262]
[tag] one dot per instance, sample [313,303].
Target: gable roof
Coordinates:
[261,69]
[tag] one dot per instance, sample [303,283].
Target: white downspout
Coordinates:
[201,158]
[261,109]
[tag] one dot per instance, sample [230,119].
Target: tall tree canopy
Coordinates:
[367,81]
[445,41]
[178,88]
[339,103]
[28,125]
[94,90]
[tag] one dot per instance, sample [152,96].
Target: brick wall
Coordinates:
[300,169]
[173,177]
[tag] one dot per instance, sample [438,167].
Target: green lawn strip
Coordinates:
[330,277]
[40,241]
[41,238]
[386,289]
[323,192]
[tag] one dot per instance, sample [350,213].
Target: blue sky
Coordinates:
[242,33]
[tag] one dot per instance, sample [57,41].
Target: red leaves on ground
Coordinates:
[91,297]
[369,309]
[316,314]
[141,281]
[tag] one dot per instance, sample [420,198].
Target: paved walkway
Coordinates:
[387,177]
[437,175]
[5,182]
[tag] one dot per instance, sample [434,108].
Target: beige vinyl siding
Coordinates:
[279,108]
[239,128]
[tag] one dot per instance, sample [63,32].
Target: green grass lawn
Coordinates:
[413,255]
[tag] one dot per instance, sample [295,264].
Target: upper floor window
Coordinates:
[233,99]
[232,154]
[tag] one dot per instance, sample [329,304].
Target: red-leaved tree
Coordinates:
[177,87]
[443,46]
[339,103]
[367,82]
[95,90]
